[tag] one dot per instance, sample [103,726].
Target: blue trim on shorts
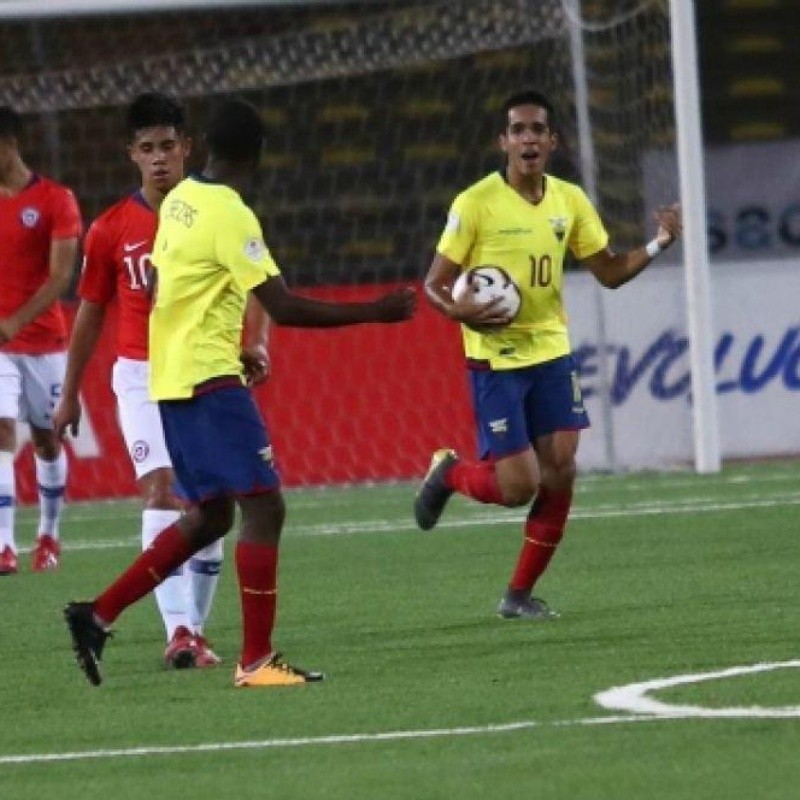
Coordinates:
[516,406]
[219,445]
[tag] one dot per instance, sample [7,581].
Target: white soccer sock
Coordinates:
[204,568]
[51,476]
[7,500]
[172,595]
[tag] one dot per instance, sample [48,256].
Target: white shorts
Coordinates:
[139,417]
[30,387]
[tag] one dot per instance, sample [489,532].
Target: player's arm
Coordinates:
[63,253]
[287,308]
[85,332]
[439,282]
[255,352]
[612,269]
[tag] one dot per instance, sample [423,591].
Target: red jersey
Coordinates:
[44,211]
[116,263]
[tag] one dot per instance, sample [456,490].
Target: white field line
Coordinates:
[633,697]
[311,741]
[627,698]
[471,518]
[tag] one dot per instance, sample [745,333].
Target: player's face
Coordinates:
[160,153]
[528,140]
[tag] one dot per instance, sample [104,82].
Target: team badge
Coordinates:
[559,226]
[254,249]
[139,451]
[29,216]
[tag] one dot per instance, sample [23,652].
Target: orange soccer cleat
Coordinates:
[274,673]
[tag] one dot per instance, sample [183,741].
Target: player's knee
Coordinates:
[8,435]
[518,493]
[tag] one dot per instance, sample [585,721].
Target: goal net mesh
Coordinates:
[378,114]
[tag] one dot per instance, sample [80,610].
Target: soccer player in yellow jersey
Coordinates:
[209,253]
[527,398]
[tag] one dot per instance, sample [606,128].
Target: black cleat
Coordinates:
[514,606]
[88,639]
[433,495]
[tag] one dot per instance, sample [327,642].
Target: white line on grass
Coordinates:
[494,517]
[633,697]
[310,741]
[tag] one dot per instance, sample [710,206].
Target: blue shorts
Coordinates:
[218,444]
[513,407]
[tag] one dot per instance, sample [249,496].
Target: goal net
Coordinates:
[378,114]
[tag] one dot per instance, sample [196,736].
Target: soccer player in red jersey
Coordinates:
[116,264]
[40,225]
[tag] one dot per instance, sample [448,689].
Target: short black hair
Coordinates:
[151,109]
[529,97]
[235,132]
[10,123]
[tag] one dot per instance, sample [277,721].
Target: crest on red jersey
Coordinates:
[29,216]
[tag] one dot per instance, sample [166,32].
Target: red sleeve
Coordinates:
[98,281]
[67,223]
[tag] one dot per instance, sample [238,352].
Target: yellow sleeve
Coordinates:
[242,251]
[460,231]
[588,235]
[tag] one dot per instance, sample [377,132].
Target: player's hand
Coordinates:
[670,224]
[483,317]
[396,306]
[255,361]
[67,416]
[8,329]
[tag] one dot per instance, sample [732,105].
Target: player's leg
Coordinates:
[257,571]
[203,573]
[89,622]
[555,413]
[506,474]
[42,377]
[10,391]
[51,479]
[140,423]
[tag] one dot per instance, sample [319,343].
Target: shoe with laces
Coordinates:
[204,656]
[433,494]
[532,608]
[8,561]
[46,554]
[88,639]
[274,673]
[180,652]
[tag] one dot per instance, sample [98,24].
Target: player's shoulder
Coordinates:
[571,191]
[482,189]
[51,188]
[119,214]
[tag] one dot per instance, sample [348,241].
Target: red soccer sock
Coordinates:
[543,531]
[257,570]
[476,479]
[167,552]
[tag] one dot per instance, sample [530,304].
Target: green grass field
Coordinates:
[429,694]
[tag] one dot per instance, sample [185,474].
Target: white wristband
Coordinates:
[653,248]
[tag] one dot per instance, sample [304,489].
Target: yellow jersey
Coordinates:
[491,224]
[209,252]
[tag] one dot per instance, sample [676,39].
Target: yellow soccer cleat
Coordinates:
[274,673]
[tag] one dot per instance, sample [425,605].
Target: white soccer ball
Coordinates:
[483,284]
